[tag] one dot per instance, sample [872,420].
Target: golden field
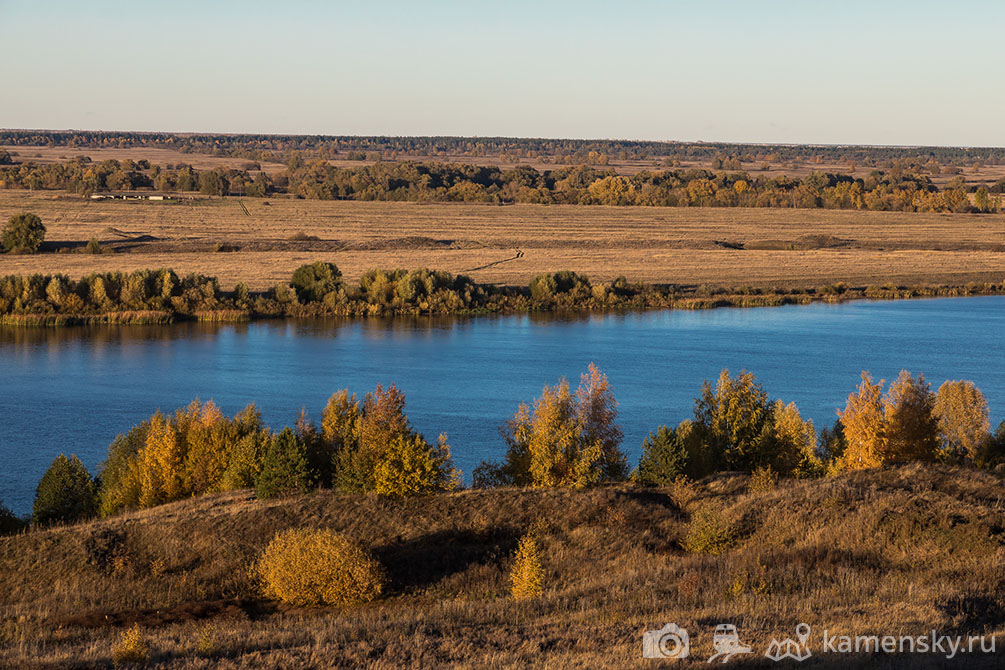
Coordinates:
[261,242]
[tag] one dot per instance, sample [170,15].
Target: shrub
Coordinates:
[313,281]
[526,577]
[24,233]
[412,466]
[9,522]
[66,492]
[131,648]
[709,532]
[285,469]
[993,455]
[762,479]
[308,567]
[682,491]
[93,246]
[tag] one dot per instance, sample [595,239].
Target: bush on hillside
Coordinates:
[308,567]
[709,532]
[132,647]
[65,493]
[526,577]
[9,522]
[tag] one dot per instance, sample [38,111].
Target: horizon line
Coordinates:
[514,137]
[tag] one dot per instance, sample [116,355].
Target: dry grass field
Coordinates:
[156,156]
[510,244]
[896,551]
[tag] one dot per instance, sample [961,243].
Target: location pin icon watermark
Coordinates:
[803,633]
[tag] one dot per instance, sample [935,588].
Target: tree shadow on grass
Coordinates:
[424,561]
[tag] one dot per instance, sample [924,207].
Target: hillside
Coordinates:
[897,551]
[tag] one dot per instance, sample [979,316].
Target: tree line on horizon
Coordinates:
[279,147]
[882,190]
[564,438]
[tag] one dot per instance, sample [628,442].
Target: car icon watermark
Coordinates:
[726,642]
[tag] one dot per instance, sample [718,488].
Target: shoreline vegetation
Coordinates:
[564,438]
[318,290]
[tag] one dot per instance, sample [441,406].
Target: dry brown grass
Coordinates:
[156,156]
[787,248]
[895,551]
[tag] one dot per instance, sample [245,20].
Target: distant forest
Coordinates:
[280,147]
[902,184]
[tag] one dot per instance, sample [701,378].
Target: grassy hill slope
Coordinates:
[888,552]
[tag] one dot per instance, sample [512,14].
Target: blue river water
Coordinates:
[72,390]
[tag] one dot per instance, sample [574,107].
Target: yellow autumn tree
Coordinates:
[964,423]
[597,413]
[212,445]
[412,466]
[564,439]
[612,191]
[911,429]
[864,426]
[557,458]
[374,448]
[206,450]
[795,441]
[527,574]
[161,463]
[340,420]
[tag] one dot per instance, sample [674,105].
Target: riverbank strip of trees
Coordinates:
[319,290]
[564,438]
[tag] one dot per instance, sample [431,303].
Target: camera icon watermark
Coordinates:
[671,641]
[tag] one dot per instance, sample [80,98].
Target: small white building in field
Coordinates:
[131,195]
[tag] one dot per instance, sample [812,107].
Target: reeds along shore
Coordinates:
[318,289]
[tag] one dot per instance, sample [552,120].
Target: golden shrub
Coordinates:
[304,566]
[131,648]
[709,532]
[527,574]
[762,479]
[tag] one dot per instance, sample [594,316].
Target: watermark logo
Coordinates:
[726,642]
[789,648]
[671,641]
[934,643]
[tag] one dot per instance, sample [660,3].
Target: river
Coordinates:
[73,389]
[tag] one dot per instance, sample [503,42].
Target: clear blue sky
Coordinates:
[843,72]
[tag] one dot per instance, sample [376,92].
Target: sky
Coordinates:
[892,73]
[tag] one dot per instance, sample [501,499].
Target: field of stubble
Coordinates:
[260,242]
